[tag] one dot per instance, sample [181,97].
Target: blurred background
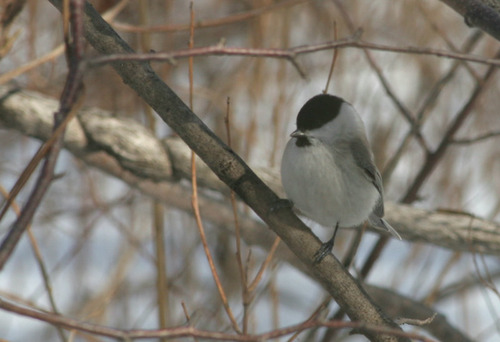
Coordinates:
[96,235]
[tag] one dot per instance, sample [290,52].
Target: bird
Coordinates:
[328,170]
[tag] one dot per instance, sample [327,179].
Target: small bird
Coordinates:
[328,171]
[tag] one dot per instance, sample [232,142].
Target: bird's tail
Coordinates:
[379,222]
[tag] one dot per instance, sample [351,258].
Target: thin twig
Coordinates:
[353,248]
[56,52]
[113,12]
[188,318]
[434,157]
[50,56]
[313,316]
[189,331]
[237,233]
[383,80]
[291,53]
[158,224]
[334,59]
[230,19]
[265,264]
[194,199]
[69,103]
[191,46]
[430,299]
[423,112]
[486,281]
[480,138]
[160,263]
[10,11]
[41,264]
[278,113]
[199,224]
[274,295]
[427,16]
[37,158]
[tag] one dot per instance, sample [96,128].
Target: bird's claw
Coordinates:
[281,203]
[323,251]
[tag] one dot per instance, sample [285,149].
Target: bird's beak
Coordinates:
[297,134]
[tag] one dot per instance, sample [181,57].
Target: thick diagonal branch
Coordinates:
[231,169]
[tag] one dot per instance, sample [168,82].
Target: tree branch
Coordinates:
[190,331]
[68,105]
[103,141]
[232,170]
[478,14]
[291,54]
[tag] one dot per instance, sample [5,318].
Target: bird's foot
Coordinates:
[326,248]
[281,203]
[323,251]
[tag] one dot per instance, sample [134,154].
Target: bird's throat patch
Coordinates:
[302,141]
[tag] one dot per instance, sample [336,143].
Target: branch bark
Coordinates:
[483,14]
[231,169]
[156,168]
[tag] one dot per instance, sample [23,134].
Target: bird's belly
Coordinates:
[328,194]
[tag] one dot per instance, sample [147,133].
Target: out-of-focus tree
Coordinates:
[121,235]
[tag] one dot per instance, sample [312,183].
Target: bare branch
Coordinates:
[233,171]
[289,54]
[433,158]
[189,331]
[68,106]
[481,138]
[238,17]
[478,14]
[30,113]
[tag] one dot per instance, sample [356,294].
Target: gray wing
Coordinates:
[364,159]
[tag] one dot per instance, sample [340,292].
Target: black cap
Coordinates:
[318,111]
